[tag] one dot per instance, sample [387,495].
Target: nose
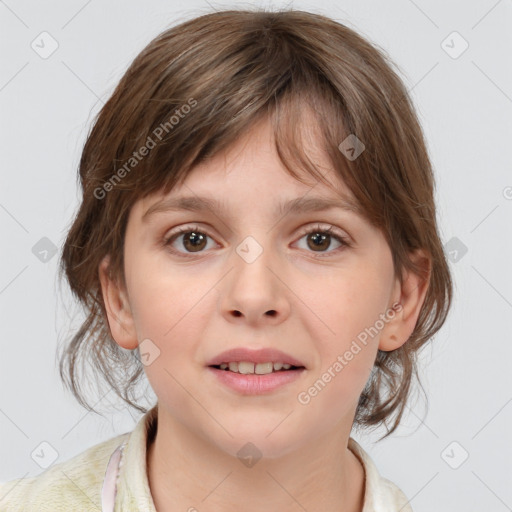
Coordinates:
[254,293]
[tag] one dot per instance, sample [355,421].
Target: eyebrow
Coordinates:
[212,205]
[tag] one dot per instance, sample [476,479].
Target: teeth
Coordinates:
[246,367]
[263,368]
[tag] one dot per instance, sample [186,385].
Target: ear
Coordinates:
[120,318]
[410,297]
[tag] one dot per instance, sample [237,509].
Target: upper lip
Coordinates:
[263,355]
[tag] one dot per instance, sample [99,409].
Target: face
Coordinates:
[245,275]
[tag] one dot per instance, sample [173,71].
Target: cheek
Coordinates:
[168,308]
[333,393]
[166,311]
[349,304]
[351,307]
[163,298]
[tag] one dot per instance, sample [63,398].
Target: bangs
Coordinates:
[305,112]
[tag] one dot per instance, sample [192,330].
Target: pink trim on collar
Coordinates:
[109,489]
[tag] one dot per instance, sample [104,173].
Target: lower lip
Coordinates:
[253,384]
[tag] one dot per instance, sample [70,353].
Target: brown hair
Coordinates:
[189,95]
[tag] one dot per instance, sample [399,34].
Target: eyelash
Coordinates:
[307,231]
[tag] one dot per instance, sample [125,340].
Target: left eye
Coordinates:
[319,239]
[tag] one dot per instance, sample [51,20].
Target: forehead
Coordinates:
[250,171]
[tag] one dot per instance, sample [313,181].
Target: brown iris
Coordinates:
[196,241]
[318,239]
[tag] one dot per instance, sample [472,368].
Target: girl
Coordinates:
[258,226]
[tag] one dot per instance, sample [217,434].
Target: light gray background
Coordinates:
[465,105]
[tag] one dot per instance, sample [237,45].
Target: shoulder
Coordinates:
[389,497]
[71,485]
[381,495]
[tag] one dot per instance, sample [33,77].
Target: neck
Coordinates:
[186,472]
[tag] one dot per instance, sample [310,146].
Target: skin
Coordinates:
[192,308]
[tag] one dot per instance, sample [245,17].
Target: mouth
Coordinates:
[255,372]
[250,368]
[264,360]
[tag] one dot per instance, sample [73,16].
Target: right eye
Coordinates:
[193,239]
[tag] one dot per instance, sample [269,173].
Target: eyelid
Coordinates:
[321,227]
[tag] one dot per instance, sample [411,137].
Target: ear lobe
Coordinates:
[411,297]
[120,318]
